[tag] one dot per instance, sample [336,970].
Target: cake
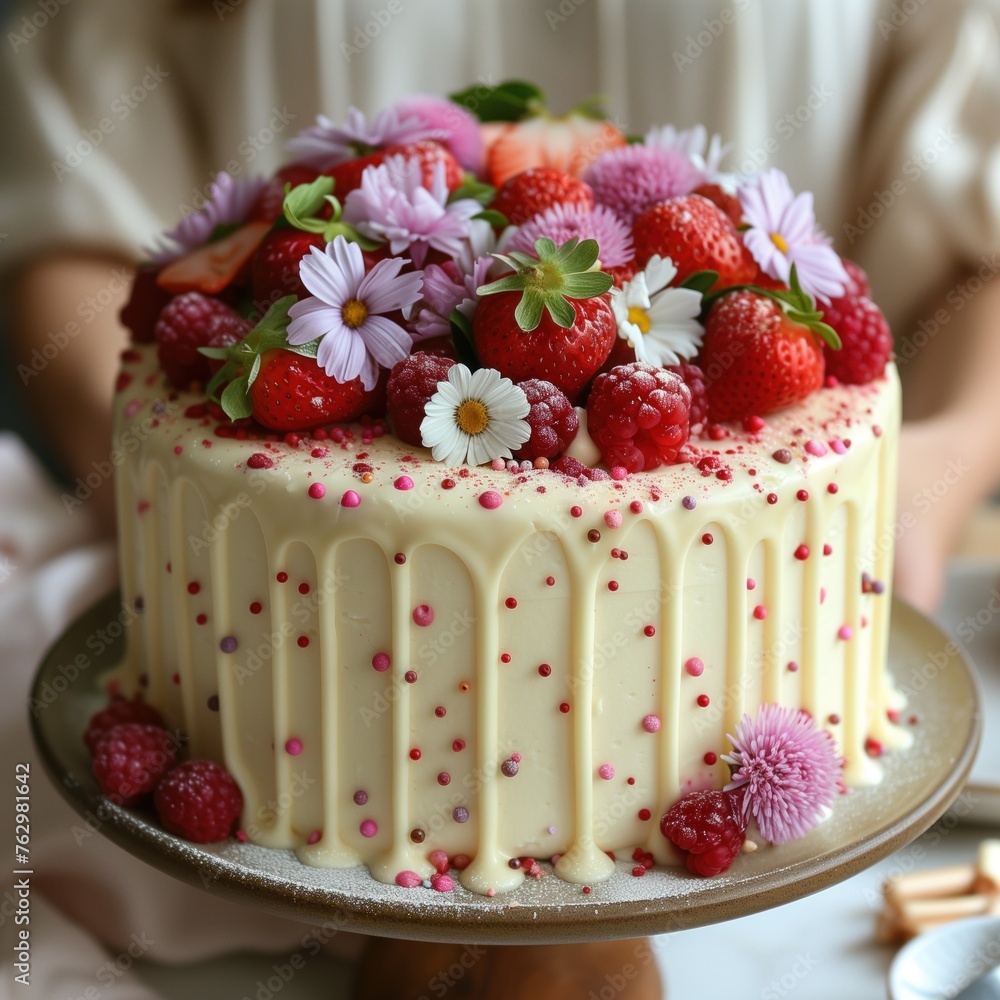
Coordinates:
[419,656]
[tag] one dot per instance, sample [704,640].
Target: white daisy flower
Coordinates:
[659,323]
[475,417]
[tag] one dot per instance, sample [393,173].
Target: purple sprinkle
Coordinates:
[460,814]
[213,703]
[360,797]
[689,503]
[878,587]
[228,644]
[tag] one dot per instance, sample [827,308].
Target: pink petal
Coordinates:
[343,356]
[313,318]
[387,342]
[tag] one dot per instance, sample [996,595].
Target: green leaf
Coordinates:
[509,101]
[700,281]
[561,311]
[461,336]
[309,350]
[508,283]
[581,257]
[592,107]
[334,228]
[236,399]
[545,248]
[303,202]
[528,313]
[472,187]
[217,353]
[254,370]
[496,219]
[586,285]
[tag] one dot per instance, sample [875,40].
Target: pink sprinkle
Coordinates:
[380,661]
[350,499]
[619,472]
[423,615]
[132,408]
[754,424]
[408,880]
[827,549]
[635,506]
[498,465]
[760,612]
[751,583]
[838,446]
[490,499]
[258,460]
[815,447]
[403,483]
[822,595]
[441,882]
[439,859]
[491,892]
[802,553]
[293,747]
[314,837]
[613,519]
[845,632]
[651,723]
[368,828]
[606,771]
[695,666]
[317,491]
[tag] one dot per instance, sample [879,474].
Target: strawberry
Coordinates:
[268,204]
[276,264]
[697,236]
[568,144]
[214,266]
[292,393]
[532,191]
[145,303]
[865,337]
[550,319]
[756,357]
[347,174]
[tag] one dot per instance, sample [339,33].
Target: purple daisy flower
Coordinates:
[229,201]
[447,288]
[344,311]
[631,179]
[783,232]
[324,144]
[562,222]
[459,129]
[788,770]
[393,205]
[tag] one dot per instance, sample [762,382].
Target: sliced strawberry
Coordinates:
[268,204]
[568,144]
[292,393]
[348,173]
[756,360]
[276,264]
[697,236]
[145,303]
[526,194]
[212,267]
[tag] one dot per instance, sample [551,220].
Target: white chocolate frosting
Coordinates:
[374,663]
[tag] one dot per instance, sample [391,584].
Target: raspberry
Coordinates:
[130,759]
[190,321]
[867,341]
[729,203]
[623,273]
[532,191]
[583,474]
[412,383]
[708,828]
[858,283]
[639,416]
[694,378]
[554,421]
[120,710]
[199,801]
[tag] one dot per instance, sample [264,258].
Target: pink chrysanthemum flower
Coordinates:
[324,144]
[345,311]
[458,129]
[562,222]
[788,770]
[229,201]
[631,179]
[782,232]
[393,205]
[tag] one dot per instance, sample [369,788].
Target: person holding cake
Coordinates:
[378,263]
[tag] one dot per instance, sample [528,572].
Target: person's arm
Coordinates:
[950,446]
[65,341]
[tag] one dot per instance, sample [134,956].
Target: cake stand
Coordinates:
[867,825]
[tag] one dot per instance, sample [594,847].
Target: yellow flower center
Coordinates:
[472,417]
[353,312]
[639,316]
[779,241]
